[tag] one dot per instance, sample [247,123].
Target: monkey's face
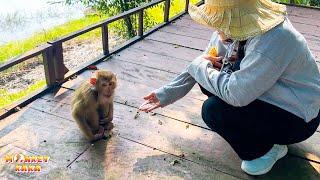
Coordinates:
[106,84]
[107,88]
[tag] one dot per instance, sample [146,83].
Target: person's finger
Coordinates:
[217,64]
[211,58]
[149,96]
[144,106]
[153,107]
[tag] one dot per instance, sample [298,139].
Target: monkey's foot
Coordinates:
[99,134]
[107,126]
[107,135]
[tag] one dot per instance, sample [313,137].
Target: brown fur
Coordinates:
[86,101]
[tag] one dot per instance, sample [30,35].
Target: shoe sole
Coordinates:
[283,153]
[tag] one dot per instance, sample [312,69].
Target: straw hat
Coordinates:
[239,19]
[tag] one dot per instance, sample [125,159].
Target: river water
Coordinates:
[21,18]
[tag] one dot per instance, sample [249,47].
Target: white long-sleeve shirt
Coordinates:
[278,68]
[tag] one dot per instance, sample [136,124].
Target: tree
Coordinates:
[114,7]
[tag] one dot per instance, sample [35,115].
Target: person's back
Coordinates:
[298,88]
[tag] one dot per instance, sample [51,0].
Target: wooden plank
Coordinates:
[152,60]
[314,23]
[186,21]
[303,12]
[190,42]
[37,133]
[8,170]
[200,44]
[167,50]
[187,31]
[299,22]
[175,29]
[124,113]
[124,159]
[196,144]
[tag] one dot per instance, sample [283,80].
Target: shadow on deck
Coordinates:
[146,147]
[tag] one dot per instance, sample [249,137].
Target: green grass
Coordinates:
[15,48]
[8,98]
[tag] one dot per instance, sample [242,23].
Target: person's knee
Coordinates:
[211,113]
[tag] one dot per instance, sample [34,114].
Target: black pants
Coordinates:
[252,130]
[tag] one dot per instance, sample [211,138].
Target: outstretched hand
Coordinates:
[151,103]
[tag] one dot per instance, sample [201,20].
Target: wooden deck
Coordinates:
[146,147]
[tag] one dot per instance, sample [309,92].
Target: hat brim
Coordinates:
[240,23]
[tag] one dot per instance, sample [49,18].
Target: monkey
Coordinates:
[92,105]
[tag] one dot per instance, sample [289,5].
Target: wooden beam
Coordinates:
[187,6]
[48,64]
[166,10]
[59,66]
[140,26]
[30,54]
[105,39]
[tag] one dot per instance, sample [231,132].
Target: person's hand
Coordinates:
[151,103]
[216,61]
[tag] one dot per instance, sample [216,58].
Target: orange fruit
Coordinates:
[213,52]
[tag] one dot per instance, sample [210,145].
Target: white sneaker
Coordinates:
[264,163]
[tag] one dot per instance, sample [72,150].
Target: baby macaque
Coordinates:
[92,105]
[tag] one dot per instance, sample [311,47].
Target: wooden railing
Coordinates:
[52,51]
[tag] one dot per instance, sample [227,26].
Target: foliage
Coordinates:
[15,48]
[7,98]
[114,7]
[302,2]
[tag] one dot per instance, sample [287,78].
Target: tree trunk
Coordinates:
[124,7]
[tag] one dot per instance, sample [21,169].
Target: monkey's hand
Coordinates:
[100,134]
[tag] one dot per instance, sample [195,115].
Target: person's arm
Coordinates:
[176,89]
[257,74]
[182,84]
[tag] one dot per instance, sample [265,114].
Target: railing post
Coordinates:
[59,67]
[105,39]
[187,6]
[140,30]
[48,63]
[166,10]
